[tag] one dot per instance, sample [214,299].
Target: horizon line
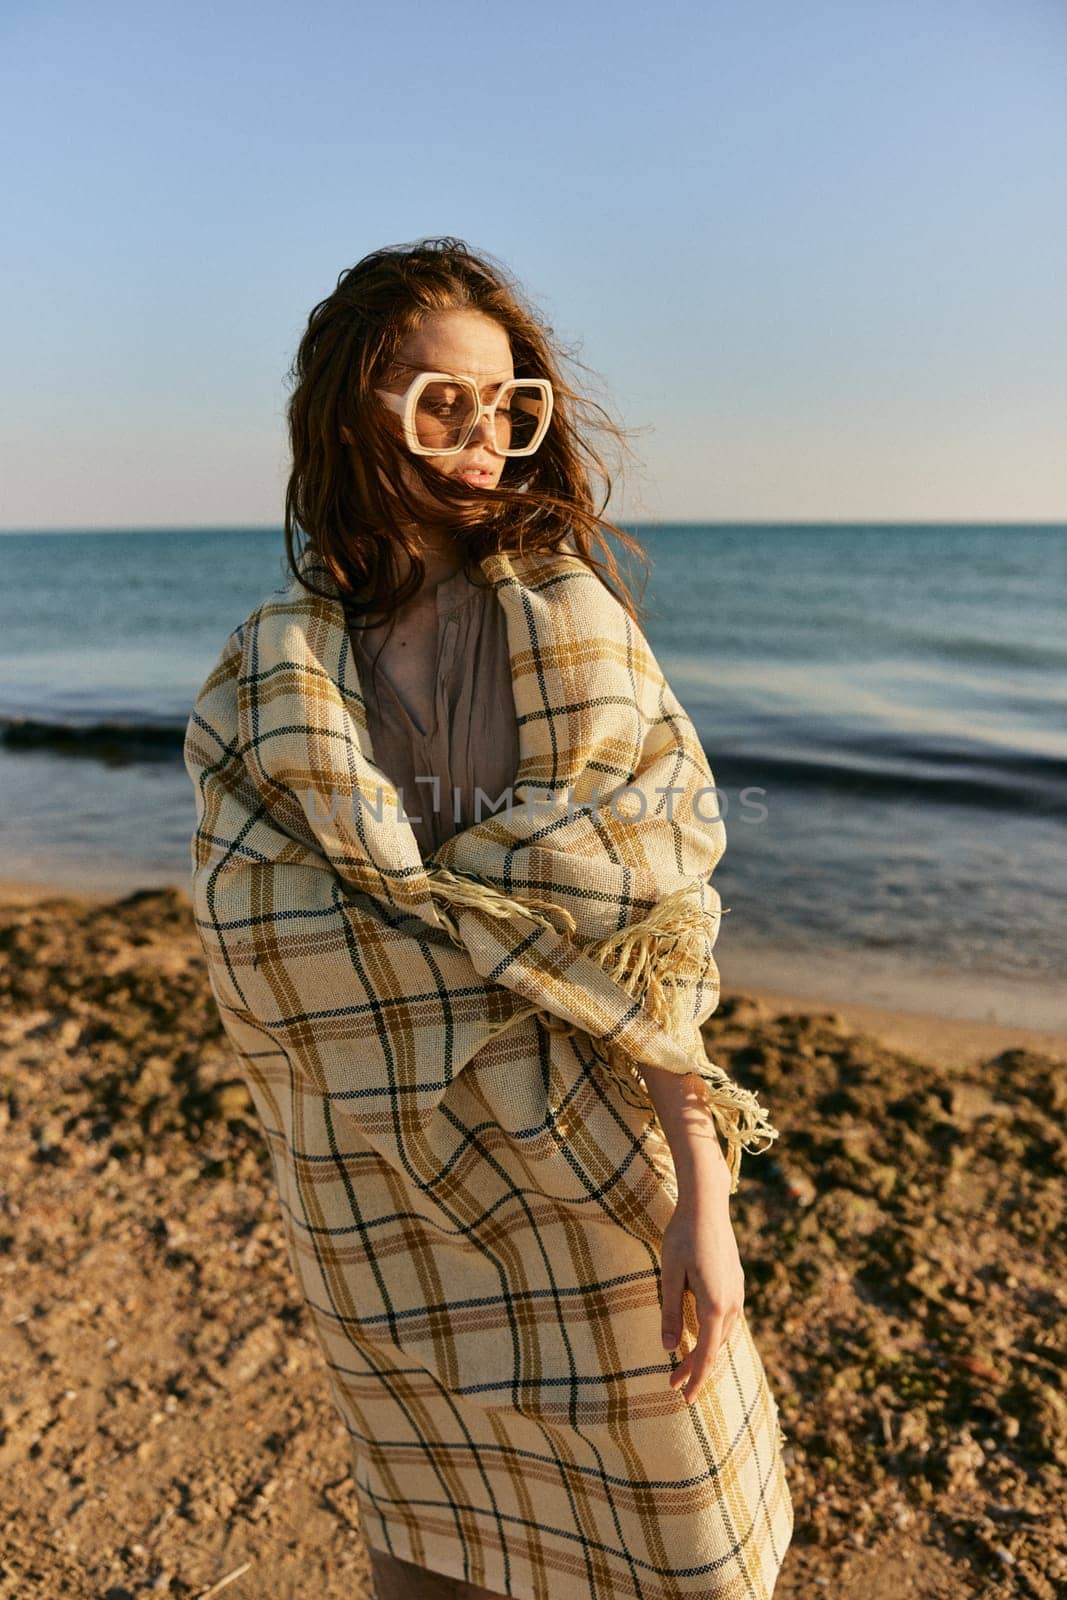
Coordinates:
[661,522]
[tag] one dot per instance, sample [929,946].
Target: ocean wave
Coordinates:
[111,739]
[919,770]
[1019,781]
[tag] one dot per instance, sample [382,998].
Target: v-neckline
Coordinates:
[500,572]
[445,617]
[426,735]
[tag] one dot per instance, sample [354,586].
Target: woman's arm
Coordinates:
[699,1160]
[699,1249]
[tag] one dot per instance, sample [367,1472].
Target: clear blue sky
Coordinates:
[816,252]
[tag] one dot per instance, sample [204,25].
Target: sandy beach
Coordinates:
[165,1421]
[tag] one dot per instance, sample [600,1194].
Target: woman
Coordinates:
[489,1271]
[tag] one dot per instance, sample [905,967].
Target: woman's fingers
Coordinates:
[700,1256]
[673,1282]
[694,1371]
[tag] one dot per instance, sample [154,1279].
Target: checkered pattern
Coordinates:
[472,1181]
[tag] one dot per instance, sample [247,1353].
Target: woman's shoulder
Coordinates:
[561,571]
[575,583]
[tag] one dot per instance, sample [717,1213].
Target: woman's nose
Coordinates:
[485,429]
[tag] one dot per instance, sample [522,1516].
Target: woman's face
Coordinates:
[467,344]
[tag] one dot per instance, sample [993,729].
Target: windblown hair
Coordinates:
[350,501]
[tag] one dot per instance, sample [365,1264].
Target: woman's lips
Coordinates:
[475,477]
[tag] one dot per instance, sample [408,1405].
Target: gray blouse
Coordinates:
[473,741]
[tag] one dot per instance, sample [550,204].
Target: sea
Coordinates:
[884,708]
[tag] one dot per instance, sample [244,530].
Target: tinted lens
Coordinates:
[518,416]
[444,412]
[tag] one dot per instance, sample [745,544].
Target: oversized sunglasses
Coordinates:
[440,412]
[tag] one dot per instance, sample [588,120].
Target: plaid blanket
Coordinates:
[446,1058]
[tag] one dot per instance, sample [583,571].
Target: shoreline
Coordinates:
[937,1036]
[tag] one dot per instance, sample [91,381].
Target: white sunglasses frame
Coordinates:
[404,406]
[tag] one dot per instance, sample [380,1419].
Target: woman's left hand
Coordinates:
[700,1254]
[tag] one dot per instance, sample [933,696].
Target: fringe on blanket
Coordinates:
[654,960]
